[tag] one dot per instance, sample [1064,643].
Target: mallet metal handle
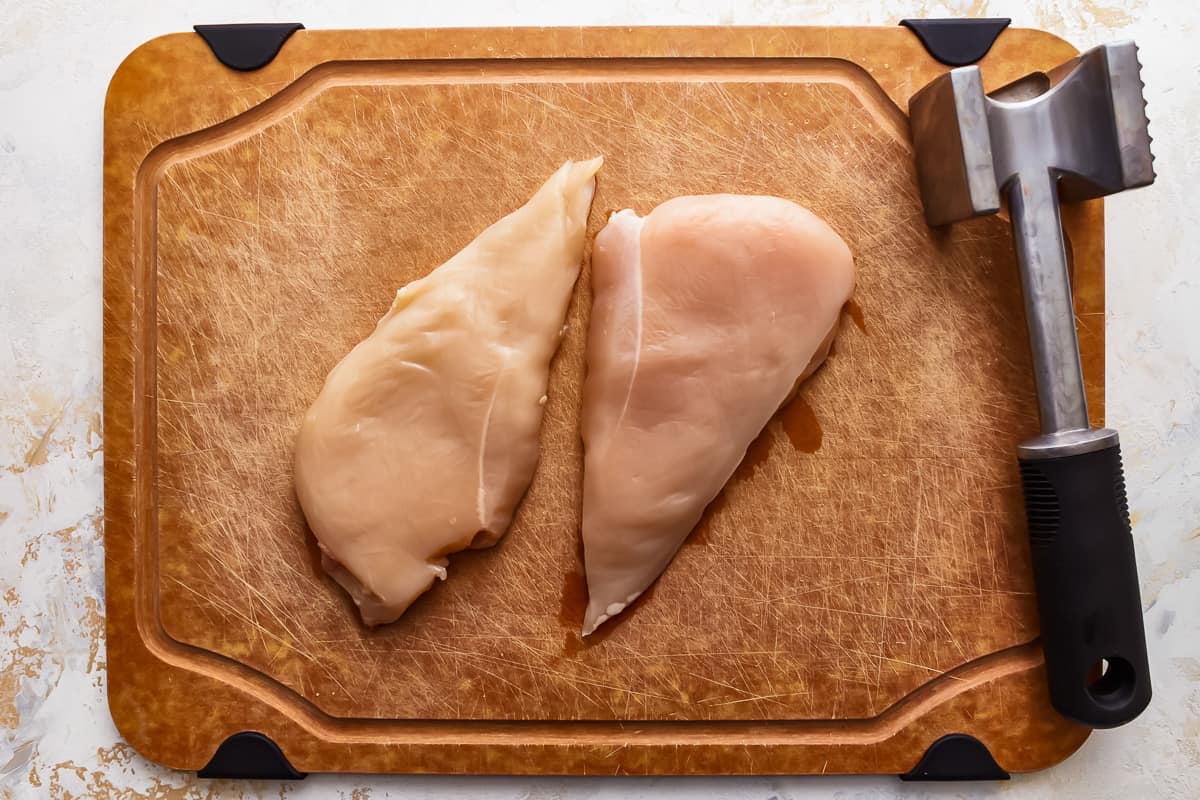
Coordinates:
[1037,232]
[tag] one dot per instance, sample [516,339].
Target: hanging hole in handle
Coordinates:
[1110,681]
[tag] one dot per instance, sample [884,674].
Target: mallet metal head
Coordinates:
[1083,123]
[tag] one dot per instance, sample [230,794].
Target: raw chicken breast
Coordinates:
[425,436]
[707,314]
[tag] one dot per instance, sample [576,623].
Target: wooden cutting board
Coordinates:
[861,588]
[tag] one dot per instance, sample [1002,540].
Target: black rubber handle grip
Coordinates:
[1087,586]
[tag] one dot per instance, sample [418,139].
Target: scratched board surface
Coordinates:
[871,528]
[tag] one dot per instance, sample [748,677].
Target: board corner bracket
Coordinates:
[957,42]
[250,755]
[956,757]
[246,47]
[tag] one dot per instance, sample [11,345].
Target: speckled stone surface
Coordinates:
[55,61]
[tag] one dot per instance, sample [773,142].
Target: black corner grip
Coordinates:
[957,42]
[956,757]
[250,755]
[247,47]
[1085,574]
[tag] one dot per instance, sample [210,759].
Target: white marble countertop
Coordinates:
[56,57]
